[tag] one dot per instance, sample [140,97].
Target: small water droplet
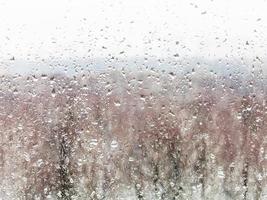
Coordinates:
[53,93]
[93,142]
[117,103]
[114,144]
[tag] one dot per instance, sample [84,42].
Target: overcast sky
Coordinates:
[35,30]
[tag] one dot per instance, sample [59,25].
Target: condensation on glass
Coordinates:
[136,100]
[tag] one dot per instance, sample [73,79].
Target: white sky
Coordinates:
[46,29]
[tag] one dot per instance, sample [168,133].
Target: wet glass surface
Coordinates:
[133,100]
